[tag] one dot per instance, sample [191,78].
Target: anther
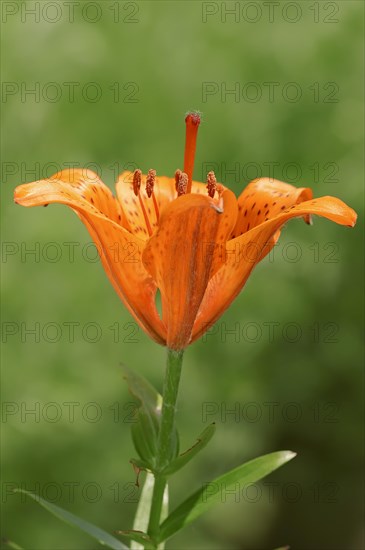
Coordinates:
[150,182]
[137,179]
[181,182]
[211,184]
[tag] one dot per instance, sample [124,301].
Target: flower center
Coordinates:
[183,179]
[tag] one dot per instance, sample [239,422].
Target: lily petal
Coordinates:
[265,198]
[120,251]
[79,188]
[245,251]
[182,256]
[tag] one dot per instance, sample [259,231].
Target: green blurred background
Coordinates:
[292,367]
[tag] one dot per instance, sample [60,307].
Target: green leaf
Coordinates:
[185,457]
[139,465]
[11,544]
[145,435]
[143,391]
[145,430]
[210,493]
[102,536]
[136,536]
[143,511]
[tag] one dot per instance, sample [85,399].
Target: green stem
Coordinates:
[167,425]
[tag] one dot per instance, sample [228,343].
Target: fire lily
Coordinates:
[196,243]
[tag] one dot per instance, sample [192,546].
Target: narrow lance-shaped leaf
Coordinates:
[137,536]
[211,492]
[11,544]
[185,457]
[143,509]
[95,532]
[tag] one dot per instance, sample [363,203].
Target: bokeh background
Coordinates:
[112,82]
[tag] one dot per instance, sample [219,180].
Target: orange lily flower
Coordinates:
[196,243]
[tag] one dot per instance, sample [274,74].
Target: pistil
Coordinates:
[192,121]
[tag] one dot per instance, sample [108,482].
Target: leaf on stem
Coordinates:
[186,456]
[11,544]
[95,532]
[137,536]
[145,429]
[210,493]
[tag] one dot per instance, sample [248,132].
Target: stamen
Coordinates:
[220,191]
[192,121]
[211,184]
[137,180]
[181,182]
[150,183]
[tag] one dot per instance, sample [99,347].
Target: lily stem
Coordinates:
[167,426]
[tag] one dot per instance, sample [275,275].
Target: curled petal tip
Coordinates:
[353,218]
[19,193]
